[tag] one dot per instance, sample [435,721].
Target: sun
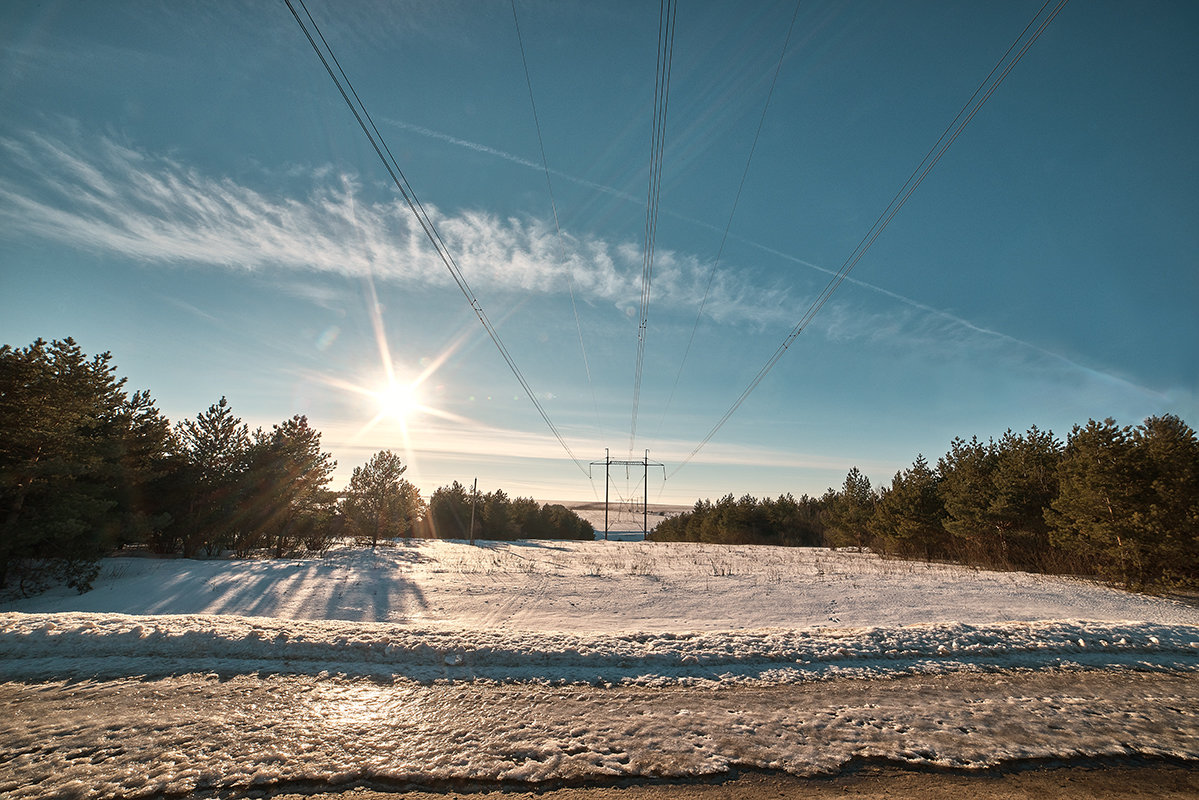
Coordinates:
[398,400]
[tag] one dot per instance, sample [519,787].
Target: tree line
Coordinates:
[1121,503]
[86,468]
[748,520]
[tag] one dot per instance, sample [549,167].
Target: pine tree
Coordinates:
[793,522]
[379,502]
[288,477]
[1100,490]
[562,523]
[908,516]
[1167,522]
[74,451]
[216,454]
[147,458]
[496,515]
[528,520]
[995,496]
[847,513]
[967,490]
[450,512]
[1025,483]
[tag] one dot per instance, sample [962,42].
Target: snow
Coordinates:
[599,587]
[426,660]
[173,735]
[89,645]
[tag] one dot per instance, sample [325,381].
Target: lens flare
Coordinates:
[398,401]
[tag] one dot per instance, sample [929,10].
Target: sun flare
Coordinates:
[398,401]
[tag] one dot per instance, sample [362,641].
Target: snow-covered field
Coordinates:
[599,587]
[568,660]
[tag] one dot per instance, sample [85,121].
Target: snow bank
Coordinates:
[82,645]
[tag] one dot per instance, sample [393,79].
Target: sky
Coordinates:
[183,186]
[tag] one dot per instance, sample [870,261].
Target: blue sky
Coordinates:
[182,185]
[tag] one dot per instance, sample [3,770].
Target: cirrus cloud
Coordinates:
[111,198]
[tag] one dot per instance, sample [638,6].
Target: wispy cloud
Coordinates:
[913,323]
[111,198]
[107,197]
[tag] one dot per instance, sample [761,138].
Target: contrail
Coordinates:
[515,159]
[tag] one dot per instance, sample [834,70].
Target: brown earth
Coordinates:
[1155,782]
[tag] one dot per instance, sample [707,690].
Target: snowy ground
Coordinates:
[169,735]
[600,587]
[569,660]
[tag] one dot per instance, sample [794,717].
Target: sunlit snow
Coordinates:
[423,661]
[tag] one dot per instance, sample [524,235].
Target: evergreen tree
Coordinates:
[909,513]
[995,496]
[967,490]
[798,521]
[74,451]
[562,523]
[847,513]
[450,512]
[785,523]
[682,527]
[1100,492]
[712,524]
[147,456]
[211,481]
[495,513]
[1025,483]
[288,496]
[1167,522]
[528,519]
[499,518]
[379,502]
[780,520]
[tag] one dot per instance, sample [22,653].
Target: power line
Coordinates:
[367,124]
[557,226]
[667,12]
[926,165]
[732,212]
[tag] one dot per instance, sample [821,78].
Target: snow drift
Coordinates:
[83,645]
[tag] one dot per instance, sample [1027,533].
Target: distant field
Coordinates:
[622,516]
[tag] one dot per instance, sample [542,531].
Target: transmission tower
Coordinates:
[645,464]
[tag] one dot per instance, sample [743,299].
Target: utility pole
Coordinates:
[474,500]
[645,503]
[607,483]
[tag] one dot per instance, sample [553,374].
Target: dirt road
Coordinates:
[1159,782]
[269,735]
